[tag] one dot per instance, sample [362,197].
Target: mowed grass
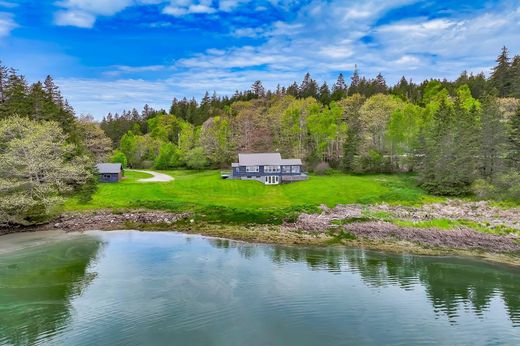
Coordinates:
[205,189]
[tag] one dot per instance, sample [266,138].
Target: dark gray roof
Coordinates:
[107,168]
[261,159]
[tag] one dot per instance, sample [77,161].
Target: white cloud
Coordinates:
[75,18]
[323,38]
[83,13]
[7,24]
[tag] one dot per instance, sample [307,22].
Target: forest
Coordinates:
[458,138]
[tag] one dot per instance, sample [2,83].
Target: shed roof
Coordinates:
[107,168]
[261,159]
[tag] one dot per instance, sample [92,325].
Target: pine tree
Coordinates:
[492,138]
[309,87]
[258,89]
[465,162]
[324,94]
[501,75]
[354,82]
[513,154]
[515,77]
[53,91]
[379,85]
[339,89]
[293,90]
[4,75]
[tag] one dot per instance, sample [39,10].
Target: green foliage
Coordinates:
[119,157]
[196,159]
[505,186]
[38,169]
[168,157]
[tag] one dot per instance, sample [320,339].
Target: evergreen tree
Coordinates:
[339,89]
[4,76]
[515,77]
[513,155]
[324,95]
[501,75]
[293,90]
[258,89]
[309,87]
[379,85]
[354,82]
[466,143]
[492,138]
[351,116]
[437,166]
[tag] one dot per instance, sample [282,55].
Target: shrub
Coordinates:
[119,157]
[196,159]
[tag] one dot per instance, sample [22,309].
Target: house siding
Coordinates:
[109,177]
[241,173]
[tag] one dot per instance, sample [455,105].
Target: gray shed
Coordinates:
[110,172]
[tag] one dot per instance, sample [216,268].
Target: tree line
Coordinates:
[458,136]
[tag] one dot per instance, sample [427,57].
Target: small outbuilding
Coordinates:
[110,172]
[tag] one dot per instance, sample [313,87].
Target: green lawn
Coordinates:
[205,190]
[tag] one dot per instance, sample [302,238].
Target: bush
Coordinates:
[196,159]
[119,157]
[505,187]
[322,168]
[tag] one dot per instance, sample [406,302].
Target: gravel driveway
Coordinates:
[157,177]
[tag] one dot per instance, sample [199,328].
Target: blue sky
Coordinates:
[109,55]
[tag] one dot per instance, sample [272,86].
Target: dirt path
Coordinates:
[157,177]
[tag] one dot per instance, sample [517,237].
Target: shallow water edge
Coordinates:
[265,234]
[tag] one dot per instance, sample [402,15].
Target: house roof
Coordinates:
[291,162]
[261,159]
[107,168]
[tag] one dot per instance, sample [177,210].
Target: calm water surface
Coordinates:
[136,288]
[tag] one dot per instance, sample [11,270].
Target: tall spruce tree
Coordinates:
[513,150]
[355,80]
[324,95]
[492,138]
[501,75]
[309,87]
[339,89]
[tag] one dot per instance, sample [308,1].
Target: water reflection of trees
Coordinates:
[37,286]
[449,282]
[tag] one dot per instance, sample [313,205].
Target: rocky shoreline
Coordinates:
[356,225]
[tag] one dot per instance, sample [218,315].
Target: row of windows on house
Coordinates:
[273,169]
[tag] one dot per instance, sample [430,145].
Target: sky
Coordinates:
[110,55]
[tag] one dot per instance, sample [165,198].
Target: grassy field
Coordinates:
[206,192]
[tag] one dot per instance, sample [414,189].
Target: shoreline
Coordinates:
[378,236]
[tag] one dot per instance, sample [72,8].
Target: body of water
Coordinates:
[148,288]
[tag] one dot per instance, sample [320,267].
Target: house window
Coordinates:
[272,169]
[237,169]
[286,169]
[295,169]
[252,169]
[107,176]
